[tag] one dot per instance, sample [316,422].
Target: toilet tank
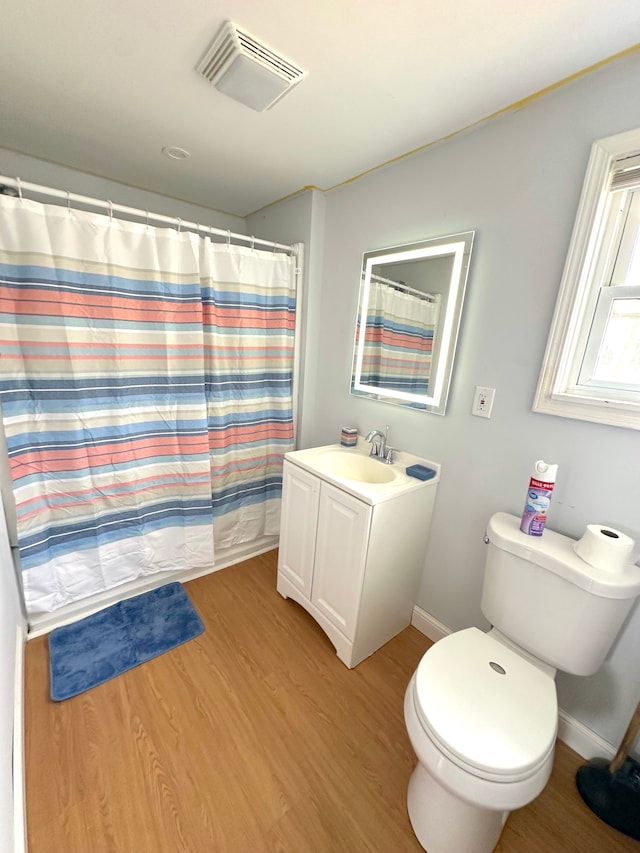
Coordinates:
[547,600]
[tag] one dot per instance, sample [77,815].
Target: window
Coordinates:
[591,368]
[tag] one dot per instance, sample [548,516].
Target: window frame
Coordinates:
[586,375]
[558,392]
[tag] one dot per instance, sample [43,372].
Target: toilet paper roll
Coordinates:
[605,548]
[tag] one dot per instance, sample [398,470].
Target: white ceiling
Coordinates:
[104,85]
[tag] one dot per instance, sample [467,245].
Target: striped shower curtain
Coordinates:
[112,425]
[249,315]
[398,343]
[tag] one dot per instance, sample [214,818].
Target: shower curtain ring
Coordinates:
[110,210]
[19,188]
[147,221]
[228,237]
[68,202]
[253,242]
[179,224]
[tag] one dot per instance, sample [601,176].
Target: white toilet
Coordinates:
[481,708]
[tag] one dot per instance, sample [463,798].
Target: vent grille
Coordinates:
[231,44]
[261,53]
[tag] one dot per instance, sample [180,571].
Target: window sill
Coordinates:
[597,410]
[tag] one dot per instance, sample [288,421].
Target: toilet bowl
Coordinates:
[482,721]
[481,709]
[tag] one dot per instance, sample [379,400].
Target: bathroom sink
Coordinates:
[354,471]
[362,469]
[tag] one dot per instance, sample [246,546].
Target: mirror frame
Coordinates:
[459,246]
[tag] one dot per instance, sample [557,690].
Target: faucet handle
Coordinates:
[389,457]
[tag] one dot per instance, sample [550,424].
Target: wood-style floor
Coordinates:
[252,738]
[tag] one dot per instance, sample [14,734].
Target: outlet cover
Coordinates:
[483,401]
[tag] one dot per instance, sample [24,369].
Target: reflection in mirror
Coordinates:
[408,319]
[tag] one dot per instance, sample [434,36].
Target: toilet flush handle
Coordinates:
[485,539]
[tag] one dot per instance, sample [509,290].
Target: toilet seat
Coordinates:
[490,711]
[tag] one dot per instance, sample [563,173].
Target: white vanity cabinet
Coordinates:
[352,560]
[300,498]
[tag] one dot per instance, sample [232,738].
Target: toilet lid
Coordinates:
[492,711]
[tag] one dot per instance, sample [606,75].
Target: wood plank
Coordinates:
[253,737]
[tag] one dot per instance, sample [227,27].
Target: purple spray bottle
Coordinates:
[534,516]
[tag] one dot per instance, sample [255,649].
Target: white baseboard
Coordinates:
[587,743]
[581,739]
[19,798]
[428,625]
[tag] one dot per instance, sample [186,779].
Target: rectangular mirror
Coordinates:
[409,314]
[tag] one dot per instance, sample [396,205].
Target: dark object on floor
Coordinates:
[614,797]
[612,790]
[116,639]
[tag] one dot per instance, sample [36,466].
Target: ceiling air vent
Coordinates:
[247,70]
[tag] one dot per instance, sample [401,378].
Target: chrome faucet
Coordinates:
[379,449]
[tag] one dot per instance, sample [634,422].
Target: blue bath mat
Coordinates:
[116,639]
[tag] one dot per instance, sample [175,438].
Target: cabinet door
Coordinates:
[300,496]
[341,551]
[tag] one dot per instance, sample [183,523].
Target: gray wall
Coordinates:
[52,175]
[301,220]
[516,181]
[12,633]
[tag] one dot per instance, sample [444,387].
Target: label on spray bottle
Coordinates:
[539,493]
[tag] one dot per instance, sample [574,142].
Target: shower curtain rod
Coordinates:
[145,215]
[400,285]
